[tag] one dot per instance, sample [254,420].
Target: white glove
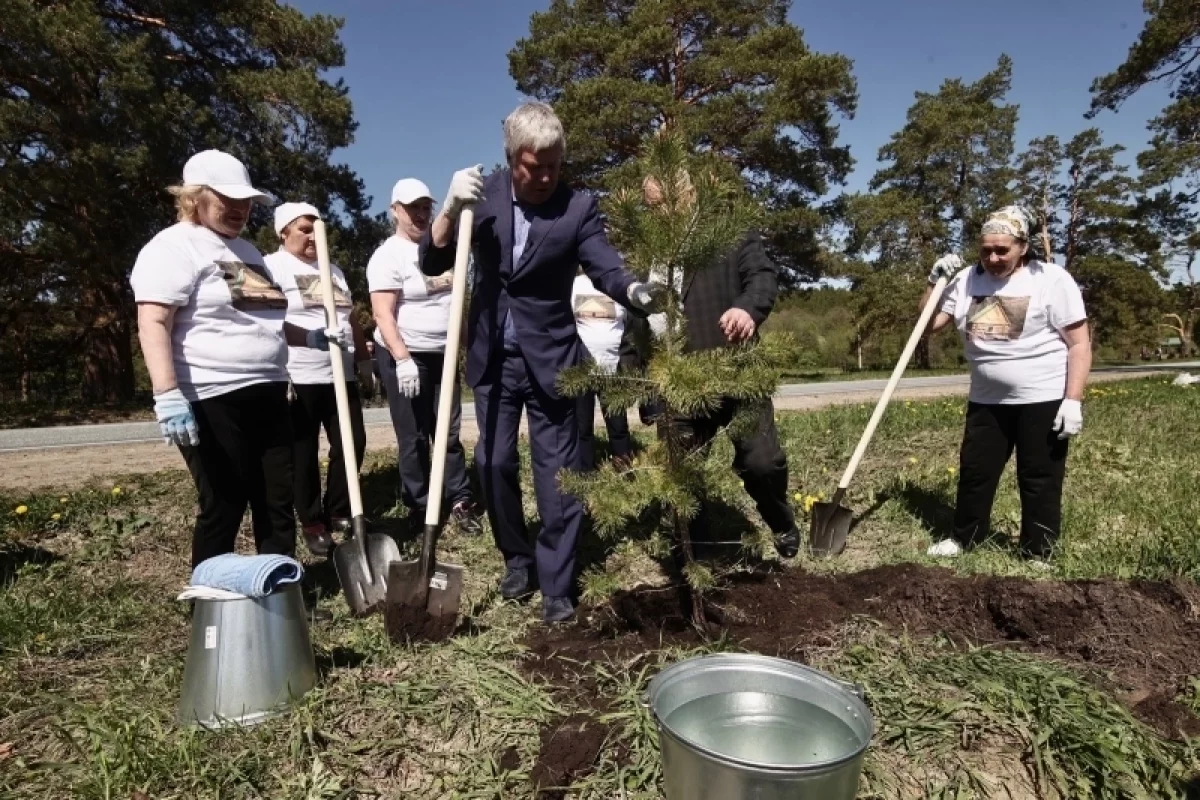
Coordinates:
[647,297]
[408,379]
[175,419]
[1070,419]
[945,267]
[321,339]
[466,187]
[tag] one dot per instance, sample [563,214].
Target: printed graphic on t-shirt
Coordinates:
[595,306]
[311,294]
[996,318]
[250,289]
[438,284]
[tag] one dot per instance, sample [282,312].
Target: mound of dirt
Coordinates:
[1143,634]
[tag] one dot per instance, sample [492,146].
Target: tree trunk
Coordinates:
[922,354]
[107,347]
[26,379]
[1073,222]
[858,351]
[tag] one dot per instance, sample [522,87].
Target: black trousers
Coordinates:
[315,407]
[758,459]
[992,433]
[415,421]
[244,458]
[620,442]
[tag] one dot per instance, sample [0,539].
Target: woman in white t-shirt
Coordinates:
[212,329]
[601,326]
[1025,335]
[412,312]
[313,402]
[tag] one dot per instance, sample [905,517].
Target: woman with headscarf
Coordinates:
[1025,336]
[212,329]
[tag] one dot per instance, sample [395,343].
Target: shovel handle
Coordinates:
[922,323]
[339,372]
[441,437]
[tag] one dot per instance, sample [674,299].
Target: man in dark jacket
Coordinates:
[725,305]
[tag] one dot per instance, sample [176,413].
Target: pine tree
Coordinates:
[698,212]
[1038,187]
[735,77]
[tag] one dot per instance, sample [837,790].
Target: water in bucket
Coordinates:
[768,729]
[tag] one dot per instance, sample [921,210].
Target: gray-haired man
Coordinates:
[530,232]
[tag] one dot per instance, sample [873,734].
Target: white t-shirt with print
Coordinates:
[1012,331]
[423,308]
[301,282]
[228,329]
[600,321]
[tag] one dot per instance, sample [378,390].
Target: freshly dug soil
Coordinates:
[1145,635]
[413,624]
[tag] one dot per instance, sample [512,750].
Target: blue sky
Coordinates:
[430,84]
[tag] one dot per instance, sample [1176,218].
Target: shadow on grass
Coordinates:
[14,556]
[1191,788]
[935,514]
[338,658]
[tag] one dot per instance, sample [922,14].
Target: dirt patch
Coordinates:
[1142,634]
[569,748]
[413,624]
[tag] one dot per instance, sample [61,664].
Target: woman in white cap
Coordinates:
[313,403]
[212,328]
[1025,336]
[412,312]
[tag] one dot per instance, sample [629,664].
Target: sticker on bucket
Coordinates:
[210,637]
[438,581]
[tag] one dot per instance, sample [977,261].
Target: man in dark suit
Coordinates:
[530,231]
[725,305]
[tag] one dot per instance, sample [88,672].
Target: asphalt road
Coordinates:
[50,438]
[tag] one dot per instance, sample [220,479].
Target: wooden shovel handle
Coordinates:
[339,372]
[881,406]
[441,438]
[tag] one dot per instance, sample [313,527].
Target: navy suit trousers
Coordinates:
[506,389]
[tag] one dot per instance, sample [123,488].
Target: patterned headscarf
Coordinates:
[1012,220]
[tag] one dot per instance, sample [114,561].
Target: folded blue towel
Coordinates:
[253,576]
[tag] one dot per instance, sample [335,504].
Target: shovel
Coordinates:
[831,521]
[362,560]
[423,596]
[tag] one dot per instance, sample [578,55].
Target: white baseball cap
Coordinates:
[288,212]
[409,190]
[224,174]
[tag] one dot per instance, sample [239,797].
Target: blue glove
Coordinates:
[321,339]
[175,419]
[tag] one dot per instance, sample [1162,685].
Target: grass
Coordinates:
[92,643]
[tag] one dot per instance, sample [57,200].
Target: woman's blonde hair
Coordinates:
[187,201]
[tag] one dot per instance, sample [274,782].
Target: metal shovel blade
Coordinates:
[362,563]
[422,598]
[830,529]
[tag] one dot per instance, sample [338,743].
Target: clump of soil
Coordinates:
[569,748]
[414,624]
[1144,634]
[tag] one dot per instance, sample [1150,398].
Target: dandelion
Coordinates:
[808,502]
[19,510]
[56,517]
[62,500]
[951,470]
[912,460]
[116,491]
[798,497]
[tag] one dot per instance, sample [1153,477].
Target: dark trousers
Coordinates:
[315,407]
[505,390]
[620,442]
[992,433]
[415,421]
[758,459]
[244,458]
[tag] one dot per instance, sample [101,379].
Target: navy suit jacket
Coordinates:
[567,231]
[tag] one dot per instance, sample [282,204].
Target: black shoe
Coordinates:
[317,539]
[466,516]
[787,544]
[557,609]
[516,583]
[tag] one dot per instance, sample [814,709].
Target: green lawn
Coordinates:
[92,642]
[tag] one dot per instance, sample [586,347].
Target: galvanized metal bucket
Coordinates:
[693,770]
[247,661]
